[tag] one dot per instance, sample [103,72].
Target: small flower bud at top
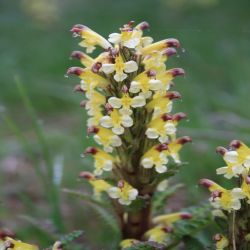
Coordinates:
[93,130]
[177,72]
[77,54]
[173,95]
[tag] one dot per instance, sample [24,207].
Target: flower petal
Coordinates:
[108,68]
[131,66]
[118,130]
[138,101]
[114,192]
[127,121]
[106,122]
[114,38]
[152,133]
[147,163]
[115,102]
[119,77]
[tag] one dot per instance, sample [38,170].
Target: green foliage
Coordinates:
[100,207]
[192,243]
[147,246]
[160,198]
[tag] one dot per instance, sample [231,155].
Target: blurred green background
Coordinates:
[35,45]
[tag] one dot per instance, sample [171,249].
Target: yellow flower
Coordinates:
[164,126]
[103,160]
[221,242]
[155,157]
[129,37]
[158,234]
[156,60]
[245,186]
[175,146]
[96,100]
[151,80]
[128,243]
[125,103]
[124,192]
[237,159]
[90,38]
[116,121]
[90,80]
[105,137]
[161,45]
[9,243]
[167,220]
[119,67]
[222,198]
[99,185]
[162,104]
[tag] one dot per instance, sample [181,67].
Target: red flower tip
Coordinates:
[120,184]
[221,150]
[205,183]
[77,28]
[93,130]
[78,88]
[186,216]
[86,175]
[74,71]
[235,144]
[177,72]
[96,67]
[179,116]
[172,42]
[77,54]
[91,150]
[184,140]
[166,117]
[173,95]
[167,229]
[161,147]
[6,233]
[151,73]
[144,25]
[169,51]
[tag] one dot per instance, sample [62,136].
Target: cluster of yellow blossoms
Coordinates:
[128,100]
[237,159]
[127,90]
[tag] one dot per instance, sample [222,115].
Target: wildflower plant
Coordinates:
[231,206]
[129,99]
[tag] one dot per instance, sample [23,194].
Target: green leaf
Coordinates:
[192,243]
[147,246]
[160,198]
[101,208]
